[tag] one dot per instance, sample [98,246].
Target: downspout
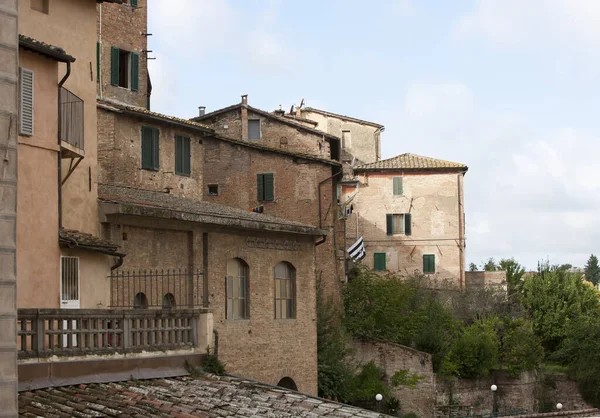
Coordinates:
[461,235]
[60,84]
[99,75]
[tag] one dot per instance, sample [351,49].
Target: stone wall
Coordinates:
[8,206]
[560,388]
[487,279]
[393,357]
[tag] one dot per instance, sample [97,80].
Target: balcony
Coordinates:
[71,125]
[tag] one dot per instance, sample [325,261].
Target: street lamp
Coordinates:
[494,388]
[559,406]
[378,398]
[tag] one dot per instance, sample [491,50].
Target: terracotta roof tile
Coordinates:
[168,205]
[411,162]
[50,51]
[73,238]
[207,397]
[344,117]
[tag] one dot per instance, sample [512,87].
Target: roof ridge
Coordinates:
[409,161]
[339,115]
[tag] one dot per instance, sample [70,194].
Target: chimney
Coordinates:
[279,112]
[201,110]
[244,99]
[298,112]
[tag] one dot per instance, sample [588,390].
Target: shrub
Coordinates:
[475,352]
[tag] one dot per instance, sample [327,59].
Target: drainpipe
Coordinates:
[99,75]
[60,84]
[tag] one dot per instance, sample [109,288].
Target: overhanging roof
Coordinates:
[412,162]
[47,50]
[140,202]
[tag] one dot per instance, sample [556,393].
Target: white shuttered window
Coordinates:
[26,102]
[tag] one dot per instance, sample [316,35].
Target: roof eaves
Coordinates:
[344,117]
[277,151]
[50,51]
[113,106]
[404,169]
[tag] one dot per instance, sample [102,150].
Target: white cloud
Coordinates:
[526,23]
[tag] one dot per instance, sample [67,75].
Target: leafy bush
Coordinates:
[521,350]
[212,364]
[475,352]
[369,382]
[333,350]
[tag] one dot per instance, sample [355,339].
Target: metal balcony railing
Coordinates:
[71,118]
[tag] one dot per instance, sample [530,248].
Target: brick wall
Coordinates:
[393,357]
[478,279]
[122,26]
[274,133]
[261,347]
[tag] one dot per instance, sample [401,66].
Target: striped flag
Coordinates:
[357,250]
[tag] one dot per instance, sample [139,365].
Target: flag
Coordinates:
[357,250]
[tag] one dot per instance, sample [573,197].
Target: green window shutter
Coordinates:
[379,262]
[114,66]
[187,157]
[178,154]
[269,186]
[389,224]
[135,71]
[147,145]
[156,148]
[260,187]
[407,224]
[98,46]
[429,263]
[397,186]
[133,3]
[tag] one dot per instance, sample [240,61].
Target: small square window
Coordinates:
[213,189]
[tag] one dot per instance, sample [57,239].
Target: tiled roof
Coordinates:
[73,238]
[184,397]
[176,207]
[50,51]
[287,121]
[114,105]
[411,162]
[344,117]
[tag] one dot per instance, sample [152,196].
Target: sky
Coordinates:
[510,88]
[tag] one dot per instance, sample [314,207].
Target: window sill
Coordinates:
[183,174]
[285,320]
[151,169]
[238,321]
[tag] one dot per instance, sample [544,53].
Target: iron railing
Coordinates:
[44,333]
[170,288]
[71,118]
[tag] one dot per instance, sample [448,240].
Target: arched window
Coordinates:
[285,291]
[140,301]
[288,383]
[238,306]
[168,301]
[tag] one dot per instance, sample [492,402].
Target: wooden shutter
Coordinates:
[379,262]
[155,148]
[389,224]
[269,186]
[98,46]
[429,263]
[114,66]
[397,186]
[147,145]
[260,187]
[26,102]
[178,154]
[187,156]
[133,3]
[135,71]
[407,224]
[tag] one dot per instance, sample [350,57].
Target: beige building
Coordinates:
[60,259]
[360,139]
[409,210]
[9,42]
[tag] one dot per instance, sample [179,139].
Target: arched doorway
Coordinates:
[288,383]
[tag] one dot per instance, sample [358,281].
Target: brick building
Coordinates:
[409,210]
[176,196]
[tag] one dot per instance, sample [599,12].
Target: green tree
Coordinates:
[334,351]
[473,267]
[490,265]
[514,275]
[520,349]
[475,352]
[592,270]
[555,299]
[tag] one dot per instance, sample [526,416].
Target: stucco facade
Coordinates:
[430,200]
[359,138]
[9,59]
